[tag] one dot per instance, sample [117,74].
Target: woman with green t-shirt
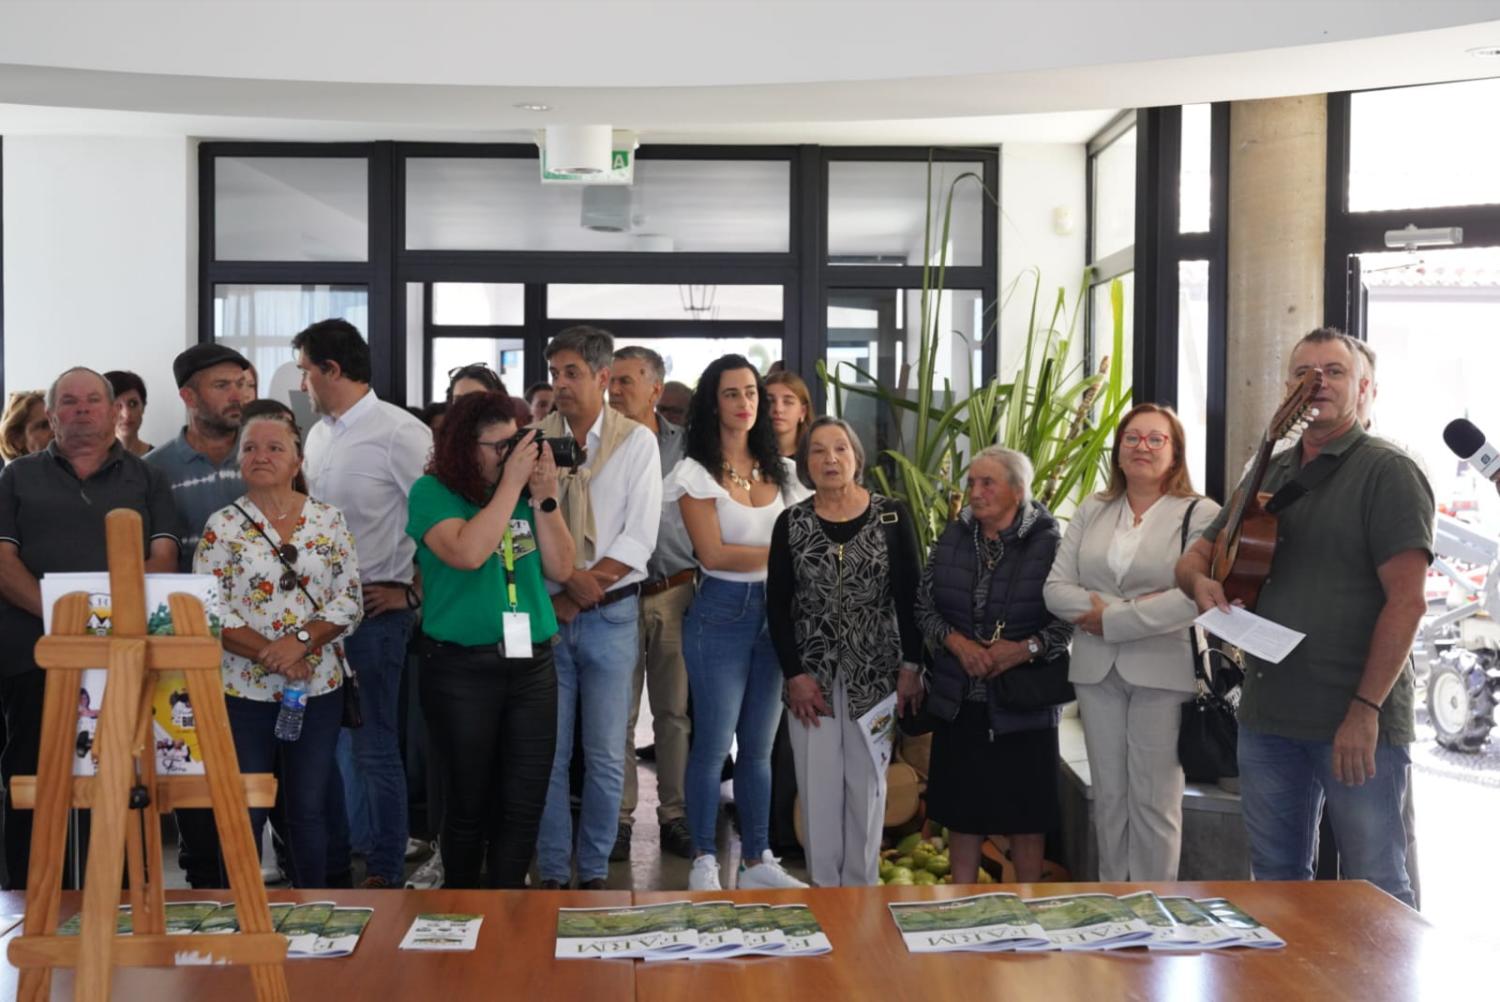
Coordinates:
[488,530]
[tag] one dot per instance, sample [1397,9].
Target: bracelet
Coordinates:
[412,601]
[1368,702]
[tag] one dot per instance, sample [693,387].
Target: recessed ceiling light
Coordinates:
[1486,52]
[529,106]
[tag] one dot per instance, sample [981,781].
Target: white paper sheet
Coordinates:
[1251,633]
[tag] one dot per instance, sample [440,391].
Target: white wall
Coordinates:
[101,261]
[1036,180]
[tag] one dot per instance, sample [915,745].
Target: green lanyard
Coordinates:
[510,567]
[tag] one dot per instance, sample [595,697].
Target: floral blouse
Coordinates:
[243,557]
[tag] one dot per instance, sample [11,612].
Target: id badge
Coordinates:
[517,634]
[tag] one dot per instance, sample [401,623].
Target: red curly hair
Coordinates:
[453,460]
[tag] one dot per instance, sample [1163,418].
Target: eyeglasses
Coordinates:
[288,554]
[498,445]
[1154,441]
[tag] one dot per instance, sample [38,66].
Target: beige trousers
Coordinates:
[1137,781]
[661,671]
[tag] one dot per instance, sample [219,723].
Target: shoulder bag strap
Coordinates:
[277,550]
[1195,633]
[1308,478]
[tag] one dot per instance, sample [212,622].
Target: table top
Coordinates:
[513,960]
[1344,940]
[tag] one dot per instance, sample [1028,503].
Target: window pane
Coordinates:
[1192,364]
[664,302]
[877,213]
[506,356]
[685,358]
[1193,192]
[478,304]
[291,209]
[683,206]
[1424,146]
[874,334]
[259,321]
[1114,196]
[1102,330]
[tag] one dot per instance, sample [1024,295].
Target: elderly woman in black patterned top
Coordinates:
[840,600]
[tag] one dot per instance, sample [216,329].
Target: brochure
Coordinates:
[665,930]
[124,923]
[443,932]
[172,720]
[879,728]
[804,936]
[339,935]
[983,922]
[719,933]
[1089,922]
[302,925]
[1250,932]
[183,917]
[9,922]
[1190,914]
[762,932]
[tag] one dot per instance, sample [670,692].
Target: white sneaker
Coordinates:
[768,873]
[414,848]
[705,874]
[429,875]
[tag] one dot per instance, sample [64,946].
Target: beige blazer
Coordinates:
[1145,638]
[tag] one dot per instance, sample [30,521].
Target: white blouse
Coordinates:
[1127,537]
[739,524]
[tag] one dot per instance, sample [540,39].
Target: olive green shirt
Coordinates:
[1323,583]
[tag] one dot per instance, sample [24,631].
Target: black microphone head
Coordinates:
[1463,438]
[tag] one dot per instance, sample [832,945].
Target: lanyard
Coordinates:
[510,567]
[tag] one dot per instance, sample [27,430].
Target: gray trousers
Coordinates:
[1136,778]
[660,671]
[842,795]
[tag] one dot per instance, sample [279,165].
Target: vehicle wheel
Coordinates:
[1459,701]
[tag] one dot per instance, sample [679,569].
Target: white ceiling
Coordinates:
[833,71]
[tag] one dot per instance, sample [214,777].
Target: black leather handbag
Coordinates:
[1210,731]
[1038,685]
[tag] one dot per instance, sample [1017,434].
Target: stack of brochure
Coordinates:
[1002,921]
[315,929]
[690,930]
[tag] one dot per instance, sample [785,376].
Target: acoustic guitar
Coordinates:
[1245,546]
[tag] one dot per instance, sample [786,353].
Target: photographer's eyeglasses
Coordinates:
[1154,441]
[498,445]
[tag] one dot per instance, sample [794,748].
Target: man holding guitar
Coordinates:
[1353,538]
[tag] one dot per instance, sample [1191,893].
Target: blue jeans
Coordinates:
[736,686]
[377,650]
[595,657]
[1283,784]
[307,769]
[356,807]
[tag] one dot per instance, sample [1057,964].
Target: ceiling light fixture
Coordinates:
[577,149]
[530,106]
[1486,52]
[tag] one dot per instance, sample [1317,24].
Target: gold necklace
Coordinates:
[739,481]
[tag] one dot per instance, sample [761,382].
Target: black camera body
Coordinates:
[566,452]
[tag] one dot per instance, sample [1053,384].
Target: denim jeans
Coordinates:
[595,657]
[1283,784]
[495,720]
[356,807]
[307,769]
[377,650]
[736,686]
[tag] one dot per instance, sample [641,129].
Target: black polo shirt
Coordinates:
[57,522]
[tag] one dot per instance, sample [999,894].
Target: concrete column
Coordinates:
[1277,157]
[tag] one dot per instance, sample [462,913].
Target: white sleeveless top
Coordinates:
[739,524]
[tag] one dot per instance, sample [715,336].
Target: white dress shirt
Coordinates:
[626,498]
[363,462]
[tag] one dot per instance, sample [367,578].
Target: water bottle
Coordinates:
[293,709]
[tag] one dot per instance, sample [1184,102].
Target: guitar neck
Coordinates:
[1244,499]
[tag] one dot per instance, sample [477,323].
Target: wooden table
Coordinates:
[513,961]
[1345,940]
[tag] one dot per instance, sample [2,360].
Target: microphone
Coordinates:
[1469,444]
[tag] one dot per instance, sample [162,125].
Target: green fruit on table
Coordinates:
[984,876]
[899,873]
[938,866]
[900,881]
[923,878]
[886,866]
[905,861]
[907,844]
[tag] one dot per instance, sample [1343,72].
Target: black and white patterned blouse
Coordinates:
[840,598]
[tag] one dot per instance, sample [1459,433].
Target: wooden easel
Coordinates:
[127,765]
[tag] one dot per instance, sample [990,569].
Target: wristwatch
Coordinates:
[304,638]
[1033,646]
[548,505]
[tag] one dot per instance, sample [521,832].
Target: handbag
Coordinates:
[353,716]
[1209,733]
[1037,685]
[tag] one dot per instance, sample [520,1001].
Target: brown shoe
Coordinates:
[374,884]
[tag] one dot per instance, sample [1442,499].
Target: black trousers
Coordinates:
[493,723]
[21,699]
